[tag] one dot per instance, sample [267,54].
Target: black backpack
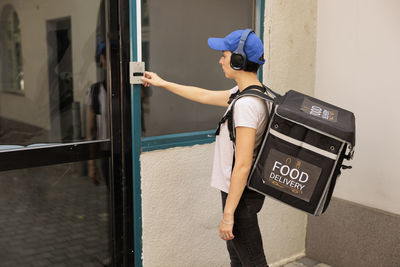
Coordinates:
[303,148]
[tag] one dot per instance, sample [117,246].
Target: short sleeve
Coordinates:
[248,112]
[234,90]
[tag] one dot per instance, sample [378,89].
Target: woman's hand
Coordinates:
[226,227]
[151,78]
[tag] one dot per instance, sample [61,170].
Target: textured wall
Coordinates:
[181,213]
[290,43]
[352,235]
[358,63]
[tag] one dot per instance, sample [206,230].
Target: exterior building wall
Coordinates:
[181,212]
[358,64]
[33,16]
[290,29]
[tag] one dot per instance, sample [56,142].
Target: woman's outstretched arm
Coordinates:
[204,96]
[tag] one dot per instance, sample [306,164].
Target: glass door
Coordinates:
[63,188]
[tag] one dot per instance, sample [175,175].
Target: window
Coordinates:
[12,76]
[174,35]
[174,44]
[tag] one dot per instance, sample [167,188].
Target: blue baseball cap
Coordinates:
[253,47]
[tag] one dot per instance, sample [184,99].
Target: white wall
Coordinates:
[358,68]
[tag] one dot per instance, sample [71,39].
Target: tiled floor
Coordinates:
[306,262]
[52,216]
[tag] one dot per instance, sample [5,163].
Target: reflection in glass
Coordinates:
[174,36]
[53,216]
[48,51]
[12,76]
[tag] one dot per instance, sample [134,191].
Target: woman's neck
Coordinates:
[245,79]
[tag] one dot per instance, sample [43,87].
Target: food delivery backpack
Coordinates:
[303,147]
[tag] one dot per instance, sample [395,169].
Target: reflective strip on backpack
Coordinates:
[304,145]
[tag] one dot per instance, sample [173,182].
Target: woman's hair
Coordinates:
[251,67]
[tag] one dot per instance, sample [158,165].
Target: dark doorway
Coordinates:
[60,78]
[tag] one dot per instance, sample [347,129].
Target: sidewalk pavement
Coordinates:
[306,262]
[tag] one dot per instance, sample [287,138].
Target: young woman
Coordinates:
[239,224]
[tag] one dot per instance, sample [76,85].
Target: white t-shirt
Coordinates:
[249,112]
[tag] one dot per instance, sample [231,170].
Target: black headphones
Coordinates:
[238,57]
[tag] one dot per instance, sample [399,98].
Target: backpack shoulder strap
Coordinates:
[249,91]
[269,90]
[252,90]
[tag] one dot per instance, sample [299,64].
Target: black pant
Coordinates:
[103,166]
[246,249]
